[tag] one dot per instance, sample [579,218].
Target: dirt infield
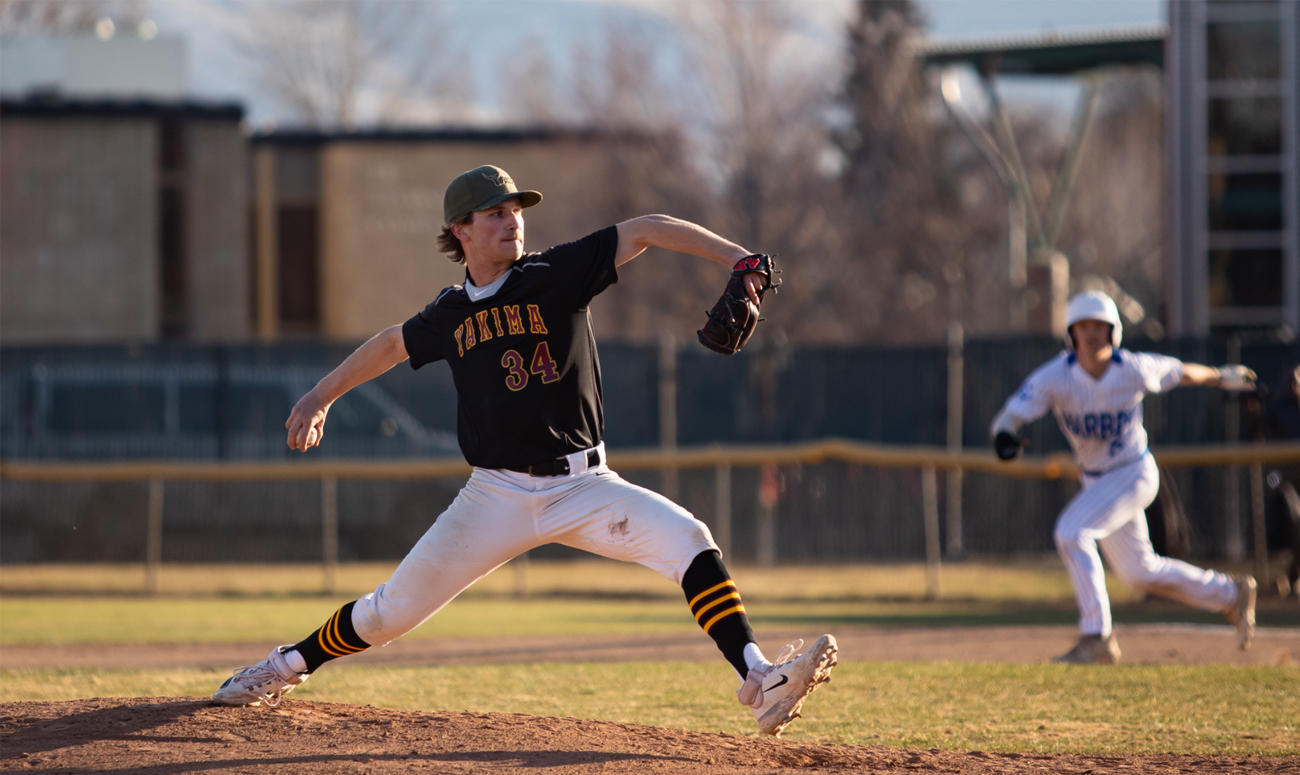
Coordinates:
[160,736]
[1142,644]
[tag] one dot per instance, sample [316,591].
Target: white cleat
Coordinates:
[1092,650]
[777,693]
[262,684]
[1241,614]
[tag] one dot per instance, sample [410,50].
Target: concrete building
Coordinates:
[122,220]
[147,220]
[346,222]
[133,214]
[1233,75]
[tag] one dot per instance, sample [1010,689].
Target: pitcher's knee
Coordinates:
[698,533]
[682,526]
[684,541]
[380,620]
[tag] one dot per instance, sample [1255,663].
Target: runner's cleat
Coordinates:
[787,683]
[1092,650]
[262,684]
[1241,614]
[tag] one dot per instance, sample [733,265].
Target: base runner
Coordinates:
[1096,390]
[517,336]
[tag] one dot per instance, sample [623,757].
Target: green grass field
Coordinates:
[105,604]
[1023,708]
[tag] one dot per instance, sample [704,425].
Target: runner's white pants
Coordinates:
[1108,512]
[499,515]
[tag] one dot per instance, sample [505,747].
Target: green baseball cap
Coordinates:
[481,188]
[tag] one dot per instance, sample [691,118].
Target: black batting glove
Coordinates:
[1007,445]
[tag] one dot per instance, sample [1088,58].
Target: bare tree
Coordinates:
[762,103]
[903,239]
[925,218]
[344,62]
[619,79]
[619,90]
[715,116]
[530,86]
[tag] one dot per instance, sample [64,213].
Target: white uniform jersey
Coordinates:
[1102,418]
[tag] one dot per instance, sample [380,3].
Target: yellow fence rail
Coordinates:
[710,456]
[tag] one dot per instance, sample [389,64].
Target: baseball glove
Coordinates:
[1235,378]
[1007,445]
[733,319]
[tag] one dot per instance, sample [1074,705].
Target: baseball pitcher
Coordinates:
[517,336]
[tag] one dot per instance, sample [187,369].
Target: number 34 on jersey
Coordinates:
[487,324]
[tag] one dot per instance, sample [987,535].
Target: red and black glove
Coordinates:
[733,319]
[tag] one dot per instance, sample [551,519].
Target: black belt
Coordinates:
[558,466]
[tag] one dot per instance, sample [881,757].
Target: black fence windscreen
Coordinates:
[229,403]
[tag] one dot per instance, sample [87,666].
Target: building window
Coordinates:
[1240,50]
[297,228]
[1246,126]
[1246,278]
[174,299]
[1245,202]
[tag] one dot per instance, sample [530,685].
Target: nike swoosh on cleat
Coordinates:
[784,680]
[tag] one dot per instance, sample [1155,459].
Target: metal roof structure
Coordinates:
[53,105]
[1033,232]
[1051,53]
[442,134]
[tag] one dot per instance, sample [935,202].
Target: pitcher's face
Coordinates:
[496,233]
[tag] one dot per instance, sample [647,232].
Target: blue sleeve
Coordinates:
[1160,373]
[1034,398]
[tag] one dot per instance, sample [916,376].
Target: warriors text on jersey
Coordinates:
[524,358]
[1102,418]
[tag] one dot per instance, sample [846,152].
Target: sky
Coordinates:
[215,70]
[961,18]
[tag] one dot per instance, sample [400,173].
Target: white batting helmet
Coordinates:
[1093,305]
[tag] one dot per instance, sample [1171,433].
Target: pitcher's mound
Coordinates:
[175,735]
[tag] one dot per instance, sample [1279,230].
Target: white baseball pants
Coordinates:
[1108,512]
[499,515]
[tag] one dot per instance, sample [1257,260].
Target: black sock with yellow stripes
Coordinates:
[335,639]
[715,602]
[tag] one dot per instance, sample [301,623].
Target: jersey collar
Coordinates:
[1073,358]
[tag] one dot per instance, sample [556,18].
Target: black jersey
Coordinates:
[524,359]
